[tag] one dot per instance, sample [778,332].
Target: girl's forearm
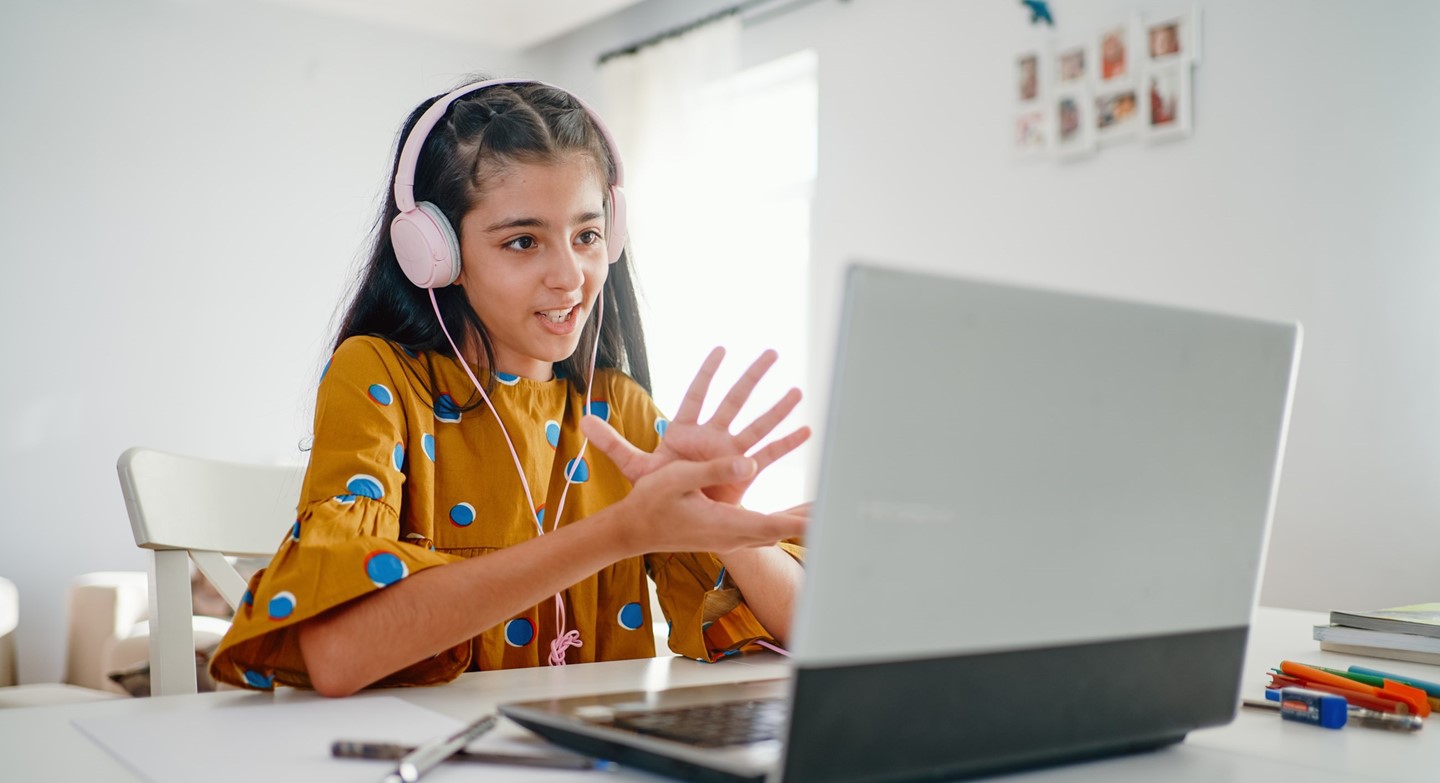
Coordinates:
[769,578]
[357,643]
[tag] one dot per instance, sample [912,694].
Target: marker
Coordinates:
[1430,688]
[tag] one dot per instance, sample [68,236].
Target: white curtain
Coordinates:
[719,170]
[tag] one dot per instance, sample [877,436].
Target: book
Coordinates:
[1360,637]
[1421,619]
[1382,652]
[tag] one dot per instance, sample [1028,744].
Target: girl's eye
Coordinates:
[521,243]
[589,237]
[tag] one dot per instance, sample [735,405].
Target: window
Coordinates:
[721,226]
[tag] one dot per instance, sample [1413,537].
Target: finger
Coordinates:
[740,392]
[763,529]
[682,477]
[768,421]
[802,510]
[776,449]
[623,453]
[695,395]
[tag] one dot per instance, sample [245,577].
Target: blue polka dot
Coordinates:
[581,471]
[552,433]
[282,605]
[540,514]
[411,352]
[661,425]
[462,514]
[631,617]
[446,410]
[519,632]
[385,568]
[345,500]
[295,531]
[327,368]
[380,394]
[427,444]
[399,457]
[257,680]
[248,598]
[599,408]
[507,378]
[365,486]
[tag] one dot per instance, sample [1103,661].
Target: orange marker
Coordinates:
[1414,698]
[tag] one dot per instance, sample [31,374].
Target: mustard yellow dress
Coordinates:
[399,482]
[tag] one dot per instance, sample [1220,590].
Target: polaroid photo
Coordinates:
[1117,115]
[1074,123]
[1027,72]
[1032,136]
[1117,56]
[1173,38]
[1073,63]
[1165,95]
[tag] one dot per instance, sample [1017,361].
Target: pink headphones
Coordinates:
[426,245]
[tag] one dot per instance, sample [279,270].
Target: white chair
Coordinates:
[188,508]
[9,620]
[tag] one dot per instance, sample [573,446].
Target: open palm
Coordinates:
[687,438]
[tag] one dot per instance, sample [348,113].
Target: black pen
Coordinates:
[425,757]
[353,749]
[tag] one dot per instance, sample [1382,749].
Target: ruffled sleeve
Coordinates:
[704,608]
[347,540]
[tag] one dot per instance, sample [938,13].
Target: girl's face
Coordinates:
[533,260]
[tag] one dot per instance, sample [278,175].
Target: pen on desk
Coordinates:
[424,758]
[355,749]
[1430,688]
[1330,711]
[1376,678]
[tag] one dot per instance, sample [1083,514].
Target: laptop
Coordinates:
[1038,535]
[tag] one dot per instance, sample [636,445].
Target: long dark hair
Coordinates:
[481,133]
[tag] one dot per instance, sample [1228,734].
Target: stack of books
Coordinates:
[1404,633]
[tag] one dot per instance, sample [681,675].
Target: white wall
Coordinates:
[1309,191]
[186,186]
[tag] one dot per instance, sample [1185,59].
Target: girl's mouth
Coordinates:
[557,316]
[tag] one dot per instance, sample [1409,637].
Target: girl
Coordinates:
[450,490]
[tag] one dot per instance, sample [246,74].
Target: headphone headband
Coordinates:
[426,245]
[415,141]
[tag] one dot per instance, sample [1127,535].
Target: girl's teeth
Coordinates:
[555,316]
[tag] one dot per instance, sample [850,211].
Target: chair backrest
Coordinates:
[9,619]
[189,508]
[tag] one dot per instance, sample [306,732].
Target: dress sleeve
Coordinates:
[704,608]
[346,540]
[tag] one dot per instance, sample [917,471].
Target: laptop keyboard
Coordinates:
[711,725]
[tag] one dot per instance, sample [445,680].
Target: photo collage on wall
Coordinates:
[1129,80]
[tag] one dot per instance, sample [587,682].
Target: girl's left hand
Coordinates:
[686,438]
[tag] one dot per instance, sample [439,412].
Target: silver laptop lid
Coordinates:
[1007,468]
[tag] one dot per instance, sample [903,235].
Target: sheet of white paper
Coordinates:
[291,742]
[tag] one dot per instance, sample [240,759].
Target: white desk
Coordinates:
[41,743]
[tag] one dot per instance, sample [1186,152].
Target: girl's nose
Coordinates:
[565,271]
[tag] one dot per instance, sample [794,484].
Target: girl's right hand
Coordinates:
[668,511]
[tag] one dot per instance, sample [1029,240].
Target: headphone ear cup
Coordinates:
[615,240]
[426,246]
